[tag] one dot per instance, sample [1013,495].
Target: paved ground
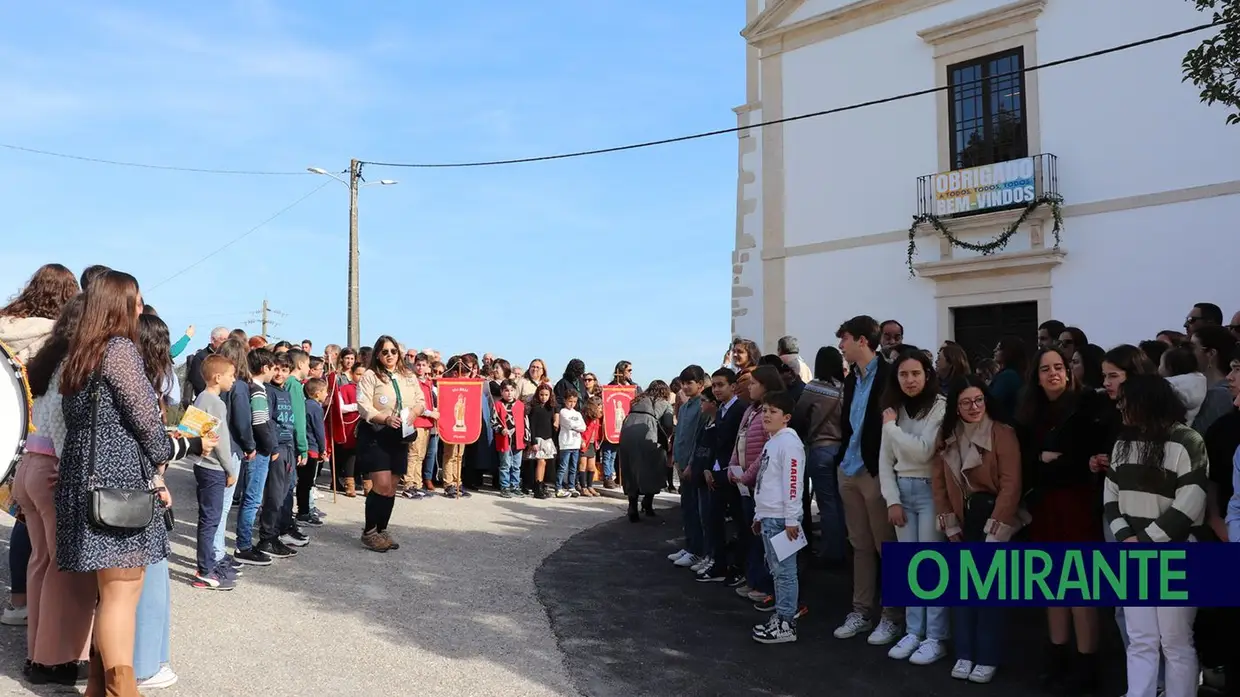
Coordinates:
[630,623]
[453,612]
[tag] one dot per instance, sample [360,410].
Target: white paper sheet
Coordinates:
[784,547]
[406,428]
[736,471]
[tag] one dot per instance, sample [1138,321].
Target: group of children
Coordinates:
[270,448]
[541,432]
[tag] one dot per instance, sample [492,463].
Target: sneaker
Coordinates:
[688,561]
[735,581]
[213,582]
[702,565]
[767,604]
[982,674]
[232,561]
[252,556]
[463,493]
[744,590]
[854,624]
[885,633]
[765,626]
[561,494]
[962,670]
[275,549]
[413,494]
[309,519]
[295,538]
[802,611]
[711,576]
[224,571]
[449,492]
[517,493]
[904,647]
[755,596]
[573,493]
[15,616]
[929,651]
[164,678]
[505,494]
[784,632]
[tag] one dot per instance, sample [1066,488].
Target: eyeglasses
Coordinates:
[975,403]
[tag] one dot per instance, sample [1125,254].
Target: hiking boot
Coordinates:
[375,542]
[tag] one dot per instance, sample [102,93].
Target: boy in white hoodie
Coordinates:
[777,511]
[1179,366]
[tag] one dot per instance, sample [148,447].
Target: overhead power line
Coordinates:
[247,233]
[790,119]
[144,165]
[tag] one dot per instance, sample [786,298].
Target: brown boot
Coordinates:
[375,542]
[350,488]
[121,682]
[428,485]
[94,682]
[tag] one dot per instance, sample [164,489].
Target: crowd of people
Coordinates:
[1062,442]
[890,442]
[90,581]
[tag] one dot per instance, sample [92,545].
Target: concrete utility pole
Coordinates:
[354,322]
[354,182]
[262,318]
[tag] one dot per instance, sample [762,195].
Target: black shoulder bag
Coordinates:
[113,509]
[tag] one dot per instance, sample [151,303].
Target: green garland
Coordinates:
[995,245]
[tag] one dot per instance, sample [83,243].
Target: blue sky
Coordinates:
[621,256]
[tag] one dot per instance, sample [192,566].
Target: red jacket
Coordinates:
[422,421]
[593,435]
[342,424]
[518,422]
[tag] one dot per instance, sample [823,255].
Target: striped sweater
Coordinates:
[1158,503]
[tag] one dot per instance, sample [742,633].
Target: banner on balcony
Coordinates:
[616,402]
[988,187]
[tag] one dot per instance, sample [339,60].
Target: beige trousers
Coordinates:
[865,514]
[417,454]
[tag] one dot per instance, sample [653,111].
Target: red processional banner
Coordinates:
[616,402]
[460,410]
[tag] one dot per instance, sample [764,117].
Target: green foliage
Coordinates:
[1214,66]
[993,246]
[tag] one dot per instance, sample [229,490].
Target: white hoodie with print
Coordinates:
[1191,389]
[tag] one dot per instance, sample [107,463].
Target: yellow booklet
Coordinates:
[197,422]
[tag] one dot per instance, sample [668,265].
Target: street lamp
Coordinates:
[354,182]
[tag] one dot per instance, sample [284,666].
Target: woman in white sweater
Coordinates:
[913,412]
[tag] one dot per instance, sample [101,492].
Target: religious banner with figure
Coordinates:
[460,410]
[616,402]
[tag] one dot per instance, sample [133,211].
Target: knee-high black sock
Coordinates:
[589,475]
[372,512]
[385,506]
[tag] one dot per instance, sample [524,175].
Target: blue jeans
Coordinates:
[255,481]
[432,458]
[979,634]
[510,470]
[19,557]
[826,490]
[223,528]
[757,573]
[691,519]
[921,525]
[210,504]
[787,586]
[609,451]
[566,469]
[153,638]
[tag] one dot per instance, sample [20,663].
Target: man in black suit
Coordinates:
[865,510]
[725,498]
[193,370]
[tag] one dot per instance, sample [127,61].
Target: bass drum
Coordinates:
[14,417]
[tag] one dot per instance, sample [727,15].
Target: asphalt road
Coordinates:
[631,623]
[453,612]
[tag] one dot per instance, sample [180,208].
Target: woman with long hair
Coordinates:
[529,381]
[643,446]
[1012,359]
[61,604]
[115,438]
[25,325]
[913,411]
[1156,493]
[1086,366]
[1061,427]
[977,489]
[26,322]
[388,400]
[571,380]
[952,362]
[745,354]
